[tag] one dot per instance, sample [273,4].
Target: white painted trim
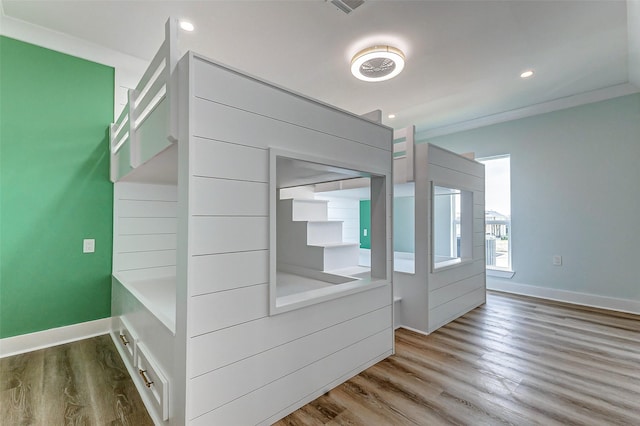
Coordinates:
[633,41]
[573,297]
[500,273]
[415,330]
[531,110]
[55,336]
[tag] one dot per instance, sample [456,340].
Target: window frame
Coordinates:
[493,270]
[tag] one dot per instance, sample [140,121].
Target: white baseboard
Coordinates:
[415,330]
[55,336]
[573,297]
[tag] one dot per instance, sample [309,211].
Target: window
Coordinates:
[498,211]
[452,226]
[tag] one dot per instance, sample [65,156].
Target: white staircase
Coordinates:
[308,240]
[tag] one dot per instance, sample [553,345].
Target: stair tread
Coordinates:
[320,221]
[341,244]
[304,200]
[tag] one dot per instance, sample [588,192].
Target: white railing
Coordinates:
[154,88]
[404,162]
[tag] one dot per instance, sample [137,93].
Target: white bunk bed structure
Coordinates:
[211,314]
[429,290]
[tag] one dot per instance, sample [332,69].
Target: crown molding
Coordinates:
[529,111]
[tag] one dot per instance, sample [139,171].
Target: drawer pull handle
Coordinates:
[124,339]
[147,382]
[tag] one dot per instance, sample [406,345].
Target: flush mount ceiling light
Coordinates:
[377,63]
[527,74]
[187,26]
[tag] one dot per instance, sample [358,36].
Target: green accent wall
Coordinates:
[403,224]
[54,188]
[365,224]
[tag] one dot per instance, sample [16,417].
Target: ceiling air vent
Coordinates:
[347,5]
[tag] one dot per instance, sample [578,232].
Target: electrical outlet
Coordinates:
[88,245]
[364,232]
[557,260]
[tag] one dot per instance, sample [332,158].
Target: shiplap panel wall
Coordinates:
[457,290]
[345,210]
[247,367]
[144,230]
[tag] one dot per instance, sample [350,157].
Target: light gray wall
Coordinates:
[575,183]
[404,224]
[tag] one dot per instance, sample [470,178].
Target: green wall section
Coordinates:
[55,188]
[365,223]
[403,224]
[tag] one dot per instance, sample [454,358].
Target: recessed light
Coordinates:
[392,116]
[377,63]
[187,26]
[526,74]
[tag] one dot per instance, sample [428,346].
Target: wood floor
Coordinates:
[80,383]
[515,360]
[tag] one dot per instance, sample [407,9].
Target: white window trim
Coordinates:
[500,273]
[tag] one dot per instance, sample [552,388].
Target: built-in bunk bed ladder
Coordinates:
[154,92]
[404,163]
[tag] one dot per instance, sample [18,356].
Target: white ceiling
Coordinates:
[464,58]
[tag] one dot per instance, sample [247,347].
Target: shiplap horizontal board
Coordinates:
[450,160]
[250,374]
[148,273]
[455,290]
[152,133]
[218,84]
[215,350]
[146,225]
[453,179]
[123,159]
[455,308]
[478,199]
[479,238]
[143,191]
[400,146]
[144,208]
[213,311]
[264,402]
[211,235]
[145,259]
[400,169]
[226,271]
[149,242]
[478,252]
[323,390]
[223,197]
[448,276]
[478,208]
[214,158]
[262,132]
[162,169]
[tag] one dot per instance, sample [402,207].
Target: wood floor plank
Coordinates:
[80,383]
[515,360]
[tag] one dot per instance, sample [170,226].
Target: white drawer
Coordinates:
[127,340]
[155,382]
